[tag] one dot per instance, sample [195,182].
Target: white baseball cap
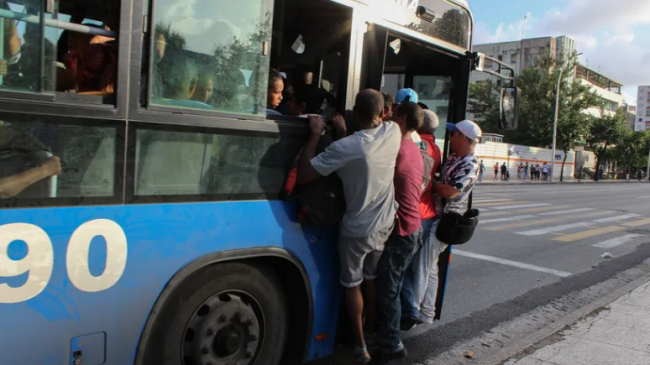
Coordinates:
[470,129]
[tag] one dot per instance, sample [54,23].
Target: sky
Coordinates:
[614,35]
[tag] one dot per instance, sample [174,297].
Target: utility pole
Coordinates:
[647,173]
[557,111]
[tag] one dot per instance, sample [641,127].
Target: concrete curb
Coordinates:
[540,327]
[587,182]
[527,342]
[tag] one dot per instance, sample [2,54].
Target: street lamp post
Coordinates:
[557,113]
[647,173]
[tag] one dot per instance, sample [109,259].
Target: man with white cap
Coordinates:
[457,179]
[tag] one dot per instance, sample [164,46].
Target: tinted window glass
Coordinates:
[452,23]
[227,166]
[208,54]
[26,64]
[73,50]
[435,92]
[41,160]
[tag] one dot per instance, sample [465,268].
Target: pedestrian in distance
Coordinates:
[526,171]
[481,172]
[496,171]
[365,163]
[504,169]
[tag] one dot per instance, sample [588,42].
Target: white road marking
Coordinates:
[507,219]
[564,227]
[501,261]
[568,211]
[618,241]
[616,219]
[644,197]
[520,206]
[491,200]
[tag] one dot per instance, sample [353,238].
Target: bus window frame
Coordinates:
[143,10]
[49,104]
[118,167]
[289,130]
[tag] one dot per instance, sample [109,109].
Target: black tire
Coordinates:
[229,313]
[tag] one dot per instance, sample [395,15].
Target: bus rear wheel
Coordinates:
[229,313]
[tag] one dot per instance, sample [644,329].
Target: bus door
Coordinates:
[393,61]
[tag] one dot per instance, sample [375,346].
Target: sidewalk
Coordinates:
[615,334]
[557,181]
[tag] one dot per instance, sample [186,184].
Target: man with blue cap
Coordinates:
[406,95]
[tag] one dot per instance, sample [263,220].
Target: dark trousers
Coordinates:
[394,262]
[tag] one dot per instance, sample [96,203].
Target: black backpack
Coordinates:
[321,203]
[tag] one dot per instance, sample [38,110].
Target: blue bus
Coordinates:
[140,170]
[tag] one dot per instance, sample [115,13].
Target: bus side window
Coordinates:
[78,54]
[224,166]
[41,160]
[208,54]
[311,46]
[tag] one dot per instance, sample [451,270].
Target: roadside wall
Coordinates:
[586,159]
[491,153]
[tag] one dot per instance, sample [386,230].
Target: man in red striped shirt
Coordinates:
[421,279]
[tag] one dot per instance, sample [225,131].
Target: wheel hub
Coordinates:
[225,330]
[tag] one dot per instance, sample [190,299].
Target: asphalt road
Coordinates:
[534,244]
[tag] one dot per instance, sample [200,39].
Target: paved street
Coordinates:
[535,244]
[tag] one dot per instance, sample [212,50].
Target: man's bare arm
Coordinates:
[306,172]
[446,191]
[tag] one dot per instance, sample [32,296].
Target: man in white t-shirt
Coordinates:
[365,163]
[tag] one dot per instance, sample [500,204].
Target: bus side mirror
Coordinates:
[509,107]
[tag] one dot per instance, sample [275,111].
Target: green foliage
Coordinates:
[632,151]
[604,133]
[173,39]
[537,107]
[484,102]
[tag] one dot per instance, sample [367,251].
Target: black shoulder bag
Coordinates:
[456,229]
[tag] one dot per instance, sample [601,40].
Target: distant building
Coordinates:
[522,54]
[608,89]
[643,109]
[630,110]
[492,137]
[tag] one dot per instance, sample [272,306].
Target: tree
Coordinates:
[605,132]
[573,123]
[484,103]
[537,108]
[632,151]
[570,132]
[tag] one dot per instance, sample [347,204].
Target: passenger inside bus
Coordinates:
[25,163]
[33,69]
[204,88]
[274,94]
[13,185]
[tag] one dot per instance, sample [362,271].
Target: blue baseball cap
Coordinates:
[406,95]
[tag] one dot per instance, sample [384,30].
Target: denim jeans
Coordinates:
[429,291]
[417,275]
[394,262]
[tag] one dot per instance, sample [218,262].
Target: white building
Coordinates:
[608,89]
[643,109]
[522,54]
